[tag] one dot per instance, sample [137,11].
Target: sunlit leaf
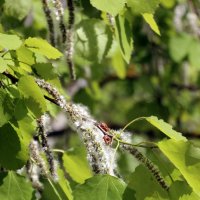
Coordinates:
[124,37]
[10,42]
[165,128]
[73,163]
[186,158]
[143,6]
[119,64]
[64,184]
[112,6]
[151,21]
[3,65]
[168,3]
[42,47]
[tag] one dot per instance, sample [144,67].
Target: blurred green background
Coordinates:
[162,77]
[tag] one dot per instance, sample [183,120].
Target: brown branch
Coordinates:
[11,77]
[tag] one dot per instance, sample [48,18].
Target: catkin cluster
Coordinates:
[98,153]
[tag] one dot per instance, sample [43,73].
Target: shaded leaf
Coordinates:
[94,40]
[100,187]
[42,47]
[45,70]
[181,190]
[34,98]
[13,154]
[21,110]
[6,107]
[15,187]
[143,186]
[59,190]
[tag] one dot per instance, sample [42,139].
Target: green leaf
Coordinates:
[143,6]
[21,110]
[64,184]
[26,58]
[179,46]
[165,128]
[8,59]
[73,163]
[59,190]
[142,186]
[186,158]
[50,191]
[10,42]
[17,10]
[94,40]
[6,107]
[45,70]
[34,98]
[152,23]
[194,52]
[14,187]
[100,187]
[42,47]
[3,65]
[124,37]
[25,125]
[118,64]
[13,154]
[112,6]
[181,190]
[168,3]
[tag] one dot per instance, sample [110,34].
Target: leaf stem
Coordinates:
[137,145]
[56,192]
[58,150]
[133,121]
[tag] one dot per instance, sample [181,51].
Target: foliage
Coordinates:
[132,58]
